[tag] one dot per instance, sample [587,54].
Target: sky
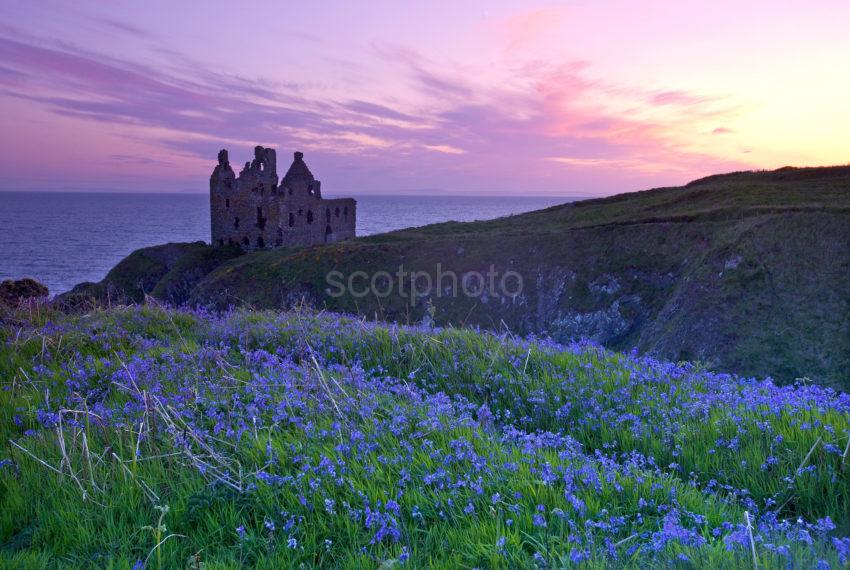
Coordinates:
[571,98]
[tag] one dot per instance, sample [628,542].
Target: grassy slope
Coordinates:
[748,272]
[354,445]
[782,310]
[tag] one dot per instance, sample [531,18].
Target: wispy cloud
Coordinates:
[125,28]
[141,160]
[445,149]
[677,97]
[525,27]
[548,123]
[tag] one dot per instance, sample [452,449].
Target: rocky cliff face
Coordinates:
[748,272]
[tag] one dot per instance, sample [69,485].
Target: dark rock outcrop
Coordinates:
[13,292]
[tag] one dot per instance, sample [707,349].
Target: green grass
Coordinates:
[628,460]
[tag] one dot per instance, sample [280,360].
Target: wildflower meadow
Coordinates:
[150,437]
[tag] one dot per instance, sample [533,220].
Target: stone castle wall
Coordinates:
[257,211]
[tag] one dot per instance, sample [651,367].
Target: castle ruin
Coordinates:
[256,212]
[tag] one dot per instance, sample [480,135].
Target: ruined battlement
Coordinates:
[256,210]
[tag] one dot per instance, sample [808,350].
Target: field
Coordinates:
[150,437]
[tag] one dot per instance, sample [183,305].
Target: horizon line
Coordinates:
[397,194]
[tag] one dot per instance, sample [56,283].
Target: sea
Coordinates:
[65,238]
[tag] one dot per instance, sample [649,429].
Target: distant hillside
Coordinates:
[748,272]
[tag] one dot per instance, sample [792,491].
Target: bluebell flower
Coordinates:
[330,505]
[842,546]
[393,507]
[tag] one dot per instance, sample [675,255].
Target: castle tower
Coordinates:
[254,212]
[222,185]
[299,179]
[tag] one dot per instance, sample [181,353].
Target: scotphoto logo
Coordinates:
[415,285]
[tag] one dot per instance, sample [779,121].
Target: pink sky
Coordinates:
[572,98]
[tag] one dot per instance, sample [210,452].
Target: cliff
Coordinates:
[167,272]
[748,272]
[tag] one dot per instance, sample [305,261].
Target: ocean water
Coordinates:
[65,238]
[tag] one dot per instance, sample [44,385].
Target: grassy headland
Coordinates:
[746,272]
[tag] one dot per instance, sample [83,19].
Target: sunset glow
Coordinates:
[571,98]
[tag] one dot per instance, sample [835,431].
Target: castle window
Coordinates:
[309,216]
[261,221]
[336,212]
[260,242]
[227,202]
[328,233]
[327,214]
[291,219]
[310,189]
[236,223]
[246,241]
[345,211]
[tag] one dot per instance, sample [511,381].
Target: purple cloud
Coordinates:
[125,28]
[677,97]
[546,135]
